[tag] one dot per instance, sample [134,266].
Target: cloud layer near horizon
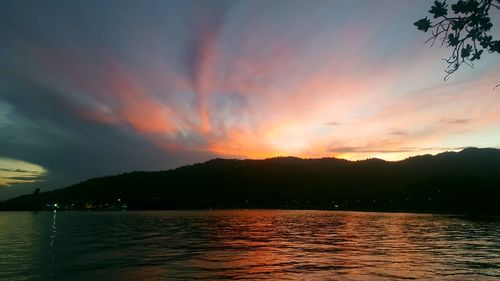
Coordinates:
[90,88]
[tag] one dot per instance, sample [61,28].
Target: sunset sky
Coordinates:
[91,88]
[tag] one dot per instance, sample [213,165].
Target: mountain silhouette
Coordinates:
[458,182]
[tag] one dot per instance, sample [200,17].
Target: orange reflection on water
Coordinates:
[278,245]
[256,245]
[242,247]
[262,244]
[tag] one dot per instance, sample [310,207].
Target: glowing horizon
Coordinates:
[15,171]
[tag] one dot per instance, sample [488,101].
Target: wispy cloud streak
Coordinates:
[234,79]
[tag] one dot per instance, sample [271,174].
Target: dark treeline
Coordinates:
[461,182]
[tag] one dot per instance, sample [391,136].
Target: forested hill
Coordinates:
[460,182]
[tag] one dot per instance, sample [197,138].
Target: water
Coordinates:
[247,244]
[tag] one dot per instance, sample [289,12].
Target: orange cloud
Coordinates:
[261,100]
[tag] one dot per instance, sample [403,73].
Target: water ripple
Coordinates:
[247,245]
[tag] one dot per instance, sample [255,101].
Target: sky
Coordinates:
[91,88]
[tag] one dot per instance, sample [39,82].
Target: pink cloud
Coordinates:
[269,98]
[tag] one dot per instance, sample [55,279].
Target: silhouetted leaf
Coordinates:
[423,24]
[466,31]
[465,52]
[458,24]
[439,9]
[452,40]
[459,7]
[477,55]
[495,46]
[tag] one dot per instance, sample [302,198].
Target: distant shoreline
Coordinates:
[465,182]
[261,209]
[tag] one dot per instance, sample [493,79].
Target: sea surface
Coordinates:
[247,244]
